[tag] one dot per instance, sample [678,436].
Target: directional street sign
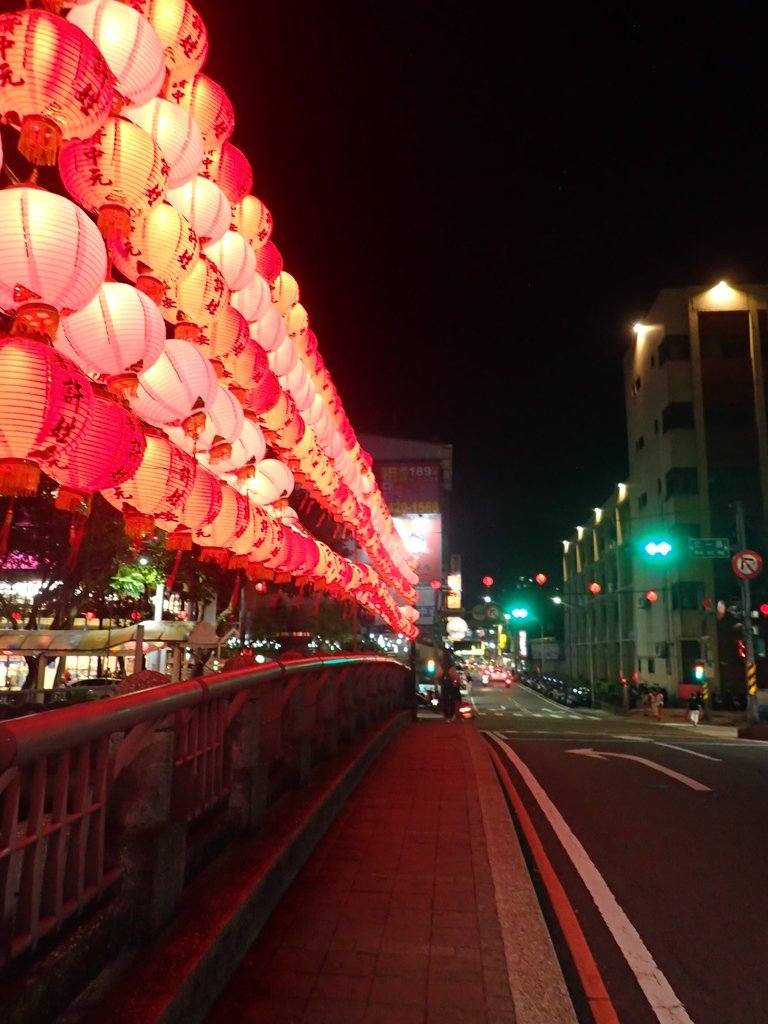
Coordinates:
[709,547]
[747,564]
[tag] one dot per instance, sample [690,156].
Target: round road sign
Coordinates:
[747,564]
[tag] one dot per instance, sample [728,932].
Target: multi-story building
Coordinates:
[698,459]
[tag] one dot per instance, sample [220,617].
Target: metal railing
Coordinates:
[114,802]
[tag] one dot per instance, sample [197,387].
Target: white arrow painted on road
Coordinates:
[601,755]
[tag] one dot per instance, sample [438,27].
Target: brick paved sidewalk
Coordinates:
[395,918]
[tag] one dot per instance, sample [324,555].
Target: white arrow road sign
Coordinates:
[601,755]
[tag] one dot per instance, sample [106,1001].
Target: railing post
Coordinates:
[326,716]
[296,732]
[248,792]
[153,846]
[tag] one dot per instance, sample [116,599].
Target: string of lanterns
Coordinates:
[164,388]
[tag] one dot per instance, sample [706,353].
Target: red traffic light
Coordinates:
[651,596]
[764,609]
[540,578]
[594,588]
[487,581]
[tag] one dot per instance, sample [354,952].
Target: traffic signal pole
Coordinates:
[753,713]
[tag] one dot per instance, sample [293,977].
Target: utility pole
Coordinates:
[753,712]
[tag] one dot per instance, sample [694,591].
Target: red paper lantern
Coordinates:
[108,452]
[269,261]
[228,528]
[200,505]
[129,45]
[230,169]
[285,292]
[58,85]
[118,173]
[46,403]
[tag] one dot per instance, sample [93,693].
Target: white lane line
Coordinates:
[657,990]
[603,755]
[694,753]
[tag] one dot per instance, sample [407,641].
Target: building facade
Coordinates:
[697,491]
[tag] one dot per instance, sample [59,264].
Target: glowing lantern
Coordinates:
[129,44]
[224,424]
[161,250]
[200,298]
[204,205]
[269,330]
[248,366]
[108,452]
[178,388]
[181,32]
[45,403]
[269,261]
[284,358]
[175,132]
[252,219]
[265,394]
[157,488]
[246,450]
[118,172]
[207,102]
[228,335]
[297,326]
[118,333]
[285,291]
[231,171]
[272,481]
[234,258]
[51,254]
[56,83]
[252,299]
[200,505]
[227,528]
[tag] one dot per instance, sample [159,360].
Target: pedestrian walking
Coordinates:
[450,692]
[694,708]
[657,703]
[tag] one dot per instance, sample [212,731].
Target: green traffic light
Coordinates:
[520,613]
[658,547]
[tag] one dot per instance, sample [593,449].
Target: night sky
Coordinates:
[478,201]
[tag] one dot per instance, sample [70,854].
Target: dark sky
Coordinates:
[478,201]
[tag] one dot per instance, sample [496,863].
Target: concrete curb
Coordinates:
[538,988]
[179,976]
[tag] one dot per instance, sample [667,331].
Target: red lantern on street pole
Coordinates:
[540,578]
[487,581]
[594,588]
[435,584]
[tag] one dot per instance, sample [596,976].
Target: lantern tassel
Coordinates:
[40,140]
[5,532]
[76,535]
[170,580]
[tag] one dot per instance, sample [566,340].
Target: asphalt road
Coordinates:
[658,835]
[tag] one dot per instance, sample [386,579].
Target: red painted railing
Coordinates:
[96,797]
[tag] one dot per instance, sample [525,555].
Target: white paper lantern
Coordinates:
[204,205]
[118,333]
[177,388]
[284,358]
[269,330]
[129,44]
[177,135]
[224,425]
[253,300]
[50,250]
[234,258]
